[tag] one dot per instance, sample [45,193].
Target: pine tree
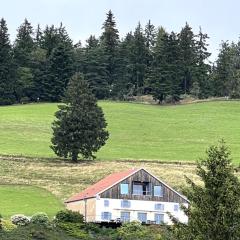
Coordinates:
[214,211]
[110,41]
[223,71]
[24,44]
[165,74]
[56,74]
[6,66]
[203,66]
[80,127]
[188,50]
[138,59]
[95,70]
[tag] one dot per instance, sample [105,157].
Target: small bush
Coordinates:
[20,220]
[40,219]
[74,230]
[7,225]
[69,216]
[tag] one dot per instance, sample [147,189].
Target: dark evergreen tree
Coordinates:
[95,69]
[80,127]
[24,44]
[214,212]
[138,59]
[165,74]
[203,67]
[6,67]
[58,70]
[23,47]
[188,50]
[109,42]
[223,71]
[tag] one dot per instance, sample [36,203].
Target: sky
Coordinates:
[218,18]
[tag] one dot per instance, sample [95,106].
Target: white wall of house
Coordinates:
[115,207]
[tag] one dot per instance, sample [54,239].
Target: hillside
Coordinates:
[137,131]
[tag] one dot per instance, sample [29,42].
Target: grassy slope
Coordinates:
[27,200]
[137,131]
[64,178]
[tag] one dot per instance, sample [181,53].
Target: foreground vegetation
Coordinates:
[137,131]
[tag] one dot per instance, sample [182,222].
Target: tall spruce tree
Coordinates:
[138,59]
[80,127]
[23,47]
[95,69]
[109,42]
[165,74]
[203,67]
[6,66]
[188,51]
[56,74]
[214,211]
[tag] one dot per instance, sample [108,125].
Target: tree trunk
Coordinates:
[74,156]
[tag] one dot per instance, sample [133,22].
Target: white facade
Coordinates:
[138,210]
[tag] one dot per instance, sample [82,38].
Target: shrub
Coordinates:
[69,216]
[7,225]
[134,230]
[40,218]
[74,230]
[20,220]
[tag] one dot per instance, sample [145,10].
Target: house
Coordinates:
[131,195]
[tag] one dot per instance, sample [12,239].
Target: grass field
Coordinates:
[64,178]
[137,131]
[17,199]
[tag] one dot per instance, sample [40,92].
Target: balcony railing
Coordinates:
[141,193]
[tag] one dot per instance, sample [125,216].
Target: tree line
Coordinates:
[149,60]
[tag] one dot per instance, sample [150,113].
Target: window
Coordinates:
[159,218]
[106,216]
[141,188]
[159,206]
[124,188]
[176,207]
[125,216]
[106,203]
[142,217]
[158,191]
[125,204]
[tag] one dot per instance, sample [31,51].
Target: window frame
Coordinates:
[155,218]
[128,205]
[124,193]
[126,219]
[143,213]
[109,216]
[106,203]
[161,208]
[176,207]
[161,191]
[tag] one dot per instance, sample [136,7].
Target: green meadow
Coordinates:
[137,131]
[19,199]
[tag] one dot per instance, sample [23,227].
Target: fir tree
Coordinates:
[80,127]
[110,40]
[214,211]
[24,44]
[203,66]
[58,70]
[188,51]
[6,66]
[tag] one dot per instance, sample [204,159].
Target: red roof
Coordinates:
[102,185]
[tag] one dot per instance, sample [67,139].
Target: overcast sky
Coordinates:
[218,18]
